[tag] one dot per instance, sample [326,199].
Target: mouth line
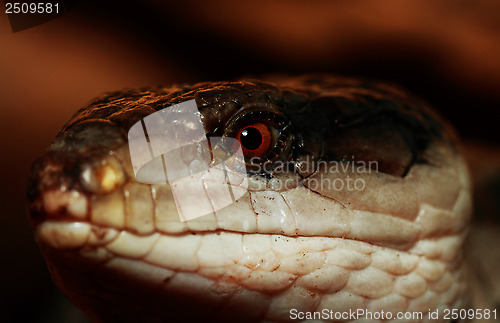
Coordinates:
[68,224]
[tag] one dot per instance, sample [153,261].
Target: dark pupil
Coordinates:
[251,138]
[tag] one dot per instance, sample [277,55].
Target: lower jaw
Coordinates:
[261,277]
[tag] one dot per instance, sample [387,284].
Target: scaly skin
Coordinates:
[117,248]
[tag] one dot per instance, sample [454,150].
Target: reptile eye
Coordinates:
[255,139]
[264,136]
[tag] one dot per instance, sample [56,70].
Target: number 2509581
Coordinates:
[40,7]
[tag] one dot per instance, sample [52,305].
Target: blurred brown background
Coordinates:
[446,51]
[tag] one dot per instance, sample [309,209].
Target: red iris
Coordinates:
[255,140]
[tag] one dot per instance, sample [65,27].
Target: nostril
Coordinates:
[102,176]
